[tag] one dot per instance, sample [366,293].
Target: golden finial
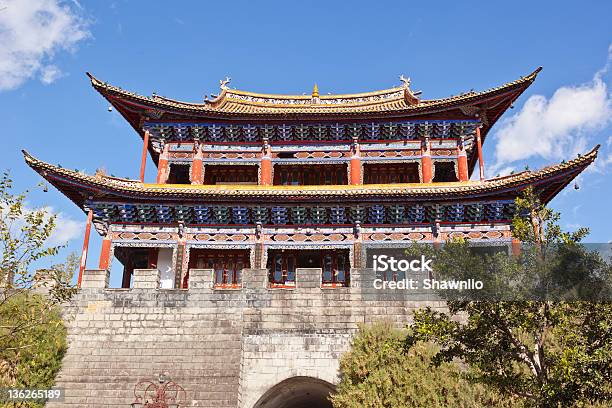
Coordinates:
[315,91]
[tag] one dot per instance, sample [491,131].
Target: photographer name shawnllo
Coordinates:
[428,284]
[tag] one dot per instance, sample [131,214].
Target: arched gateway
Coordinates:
[298,392]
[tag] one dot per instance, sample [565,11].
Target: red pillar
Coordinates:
[356,165]
[426,167]
[462,166]
[479,147]
[152,258]
[196,167]
[162,168]
[105,254]
[85,247]
[143,161]
[128,271]
[265,170]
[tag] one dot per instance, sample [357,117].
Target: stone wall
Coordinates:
[225,347]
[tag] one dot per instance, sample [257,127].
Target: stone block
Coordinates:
[308,277]
[255,278]
[146,279]
[95,279]
[201,278]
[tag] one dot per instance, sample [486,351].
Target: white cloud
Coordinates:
[555,127]
[49,74]
[66,229]
[31,34]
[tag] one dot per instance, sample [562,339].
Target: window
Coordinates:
[390,173]
[283,273]
[310,175]
[222,174]
[334,266]
[179,174]
[392,275]
[227,265]
[444,172]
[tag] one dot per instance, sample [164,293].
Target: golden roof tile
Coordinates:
[120,187]
[230,101]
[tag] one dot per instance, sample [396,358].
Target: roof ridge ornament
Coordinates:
[410,96]
[315,94]
[315,91]
[100,172]
[223,83]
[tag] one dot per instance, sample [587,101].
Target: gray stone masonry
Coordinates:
[226,347]
[95,279]
[201,278]
[146,279]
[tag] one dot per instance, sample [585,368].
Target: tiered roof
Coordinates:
[80,187]
[235,106]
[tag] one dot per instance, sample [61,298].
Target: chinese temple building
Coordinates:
[241,261]
[288,181]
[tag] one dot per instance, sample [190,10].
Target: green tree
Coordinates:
[377,372]
[549,339]
[32,332]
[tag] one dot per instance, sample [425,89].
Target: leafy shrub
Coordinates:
[378,372]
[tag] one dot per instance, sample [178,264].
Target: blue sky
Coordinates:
[182,49]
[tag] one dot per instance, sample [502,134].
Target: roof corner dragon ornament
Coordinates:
[406,85]
[223,82]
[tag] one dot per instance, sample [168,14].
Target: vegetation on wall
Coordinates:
[378,372]
[32,332]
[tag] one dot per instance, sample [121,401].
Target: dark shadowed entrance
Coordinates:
[298,392]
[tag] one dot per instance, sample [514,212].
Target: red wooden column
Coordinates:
[143,161]
[356,164]
[85,248]
[105,254]
[197,175]
[265,169]
[128,271]
[426,167]
[462,165]
[162,168]
[152,258]
[479,147]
